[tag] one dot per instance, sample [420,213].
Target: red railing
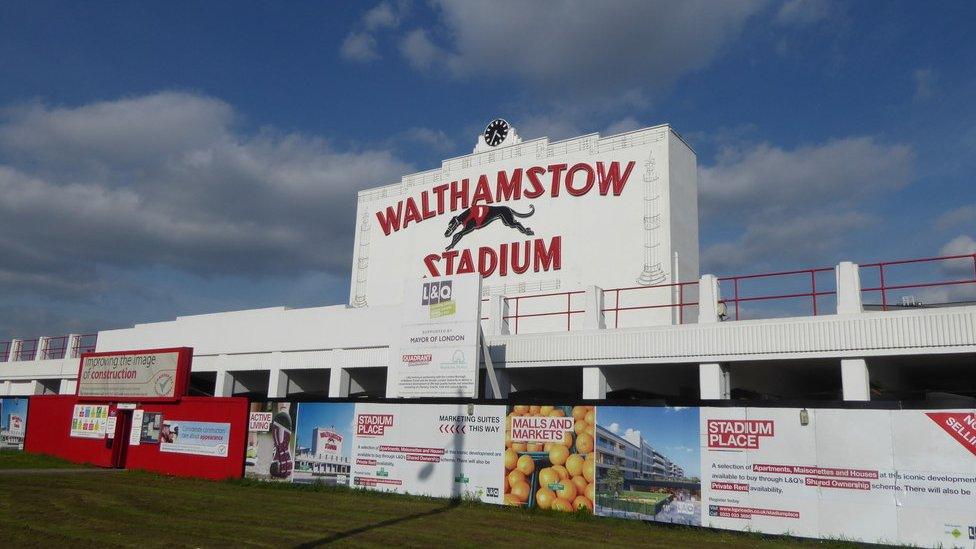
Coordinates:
[5,350]
[945,264]
[680,305]
[810,275]
[56,348]
[816,287]
[28,350]
[569,311]
[85,344]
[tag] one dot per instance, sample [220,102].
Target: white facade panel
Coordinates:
[535,217]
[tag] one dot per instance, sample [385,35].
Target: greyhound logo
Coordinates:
[479,216]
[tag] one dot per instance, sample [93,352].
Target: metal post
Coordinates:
[813,285]
[736,281]
[884,293]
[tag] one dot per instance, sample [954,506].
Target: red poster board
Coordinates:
[142,375]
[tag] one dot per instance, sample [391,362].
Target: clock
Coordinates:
[496,132]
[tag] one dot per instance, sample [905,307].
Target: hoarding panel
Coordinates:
[143,375]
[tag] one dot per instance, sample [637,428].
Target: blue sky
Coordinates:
[169,159]
[671,431]
[336,415]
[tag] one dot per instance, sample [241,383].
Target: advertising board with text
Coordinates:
[438,450]
[200,438]
[270,450]
[151,375]
[439,336]
[878,476]
[13,423]
[89,421]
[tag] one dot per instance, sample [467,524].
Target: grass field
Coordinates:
[13,459]
[140,509]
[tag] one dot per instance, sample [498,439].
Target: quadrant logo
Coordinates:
[438,297]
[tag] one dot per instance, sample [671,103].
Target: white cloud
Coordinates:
[614,427]
[805,12]
[960,245]
[436,140]
[963,215]
[360,47]
[633,436]
[419,51]
[623,126]
[169,179]
[382,16]
[801,204]
[579,46]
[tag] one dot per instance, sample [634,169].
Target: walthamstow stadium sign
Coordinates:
[529,217]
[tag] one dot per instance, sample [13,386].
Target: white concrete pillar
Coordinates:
[277,383]
[855,379]
[708,298]
[594,383]
[593,307]
[68,387]
[339,382]
[497,311]
[714,381]
[224,384]
[74,341]
[848,288]
[41,351]
[15,346]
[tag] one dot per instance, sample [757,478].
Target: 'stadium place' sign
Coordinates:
[143,375]
[535,217]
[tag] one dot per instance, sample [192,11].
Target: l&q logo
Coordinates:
[438,297]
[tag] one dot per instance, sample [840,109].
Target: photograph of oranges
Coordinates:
[547,466]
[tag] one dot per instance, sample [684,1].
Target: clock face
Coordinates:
[496,132]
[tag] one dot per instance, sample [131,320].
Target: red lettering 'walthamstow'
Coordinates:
[578,180]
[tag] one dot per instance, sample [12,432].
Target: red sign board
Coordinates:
[145,375]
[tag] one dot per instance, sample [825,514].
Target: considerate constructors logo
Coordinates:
[438,297]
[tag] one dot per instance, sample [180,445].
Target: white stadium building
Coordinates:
[588,252]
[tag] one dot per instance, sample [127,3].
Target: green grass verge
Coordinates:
[14,459]
[140,509]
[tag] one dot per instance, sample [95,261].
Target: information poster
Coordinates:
[13,423]
[151,427]
[135,431]
[550,458]
[879,476]
[270,451]
[439,335]
[322,456]
[648,464]
[437,450]
[150,375]
[89,421]
[194,437]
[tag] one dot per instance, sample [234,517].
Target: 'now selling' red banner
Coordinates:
[960,425]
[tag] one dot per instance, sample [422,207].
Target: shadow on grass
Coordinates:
[339,536]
